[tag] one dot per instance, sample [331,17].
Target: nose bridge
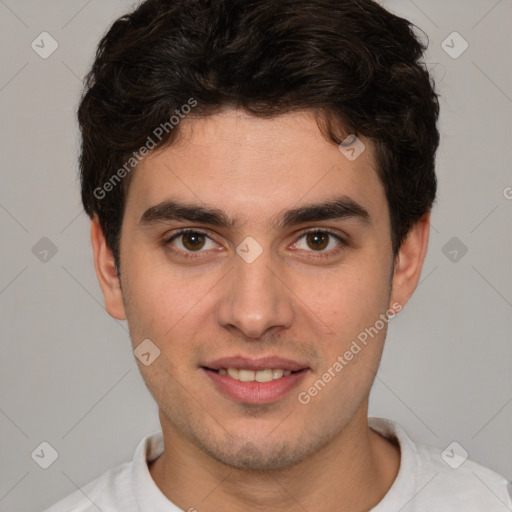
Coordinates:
[255,299]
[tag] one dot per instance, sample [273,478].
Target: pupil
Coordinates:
[317,241]
[193,241]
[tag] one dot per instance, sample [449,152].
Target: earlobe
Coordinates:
[409,261]
[106,272]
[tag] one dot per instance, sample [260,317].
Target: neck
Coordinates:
[352,472]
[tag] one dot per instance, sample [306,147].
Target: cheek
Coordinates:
[351,305]
[155,301]
[347,299]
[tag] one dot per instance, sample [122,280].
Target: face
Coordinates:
[254,254]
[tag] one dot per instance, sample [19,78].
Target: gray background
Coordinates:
[67,374]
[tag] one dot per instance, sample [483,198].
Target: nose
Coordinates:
[255,298]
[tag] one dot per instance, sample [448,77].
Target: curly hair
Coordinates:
[357,66]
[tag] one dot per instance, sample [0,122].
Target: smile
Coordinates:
[251,375]
[256,387]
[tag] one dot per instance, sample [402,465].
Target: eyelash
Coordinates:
[317,254]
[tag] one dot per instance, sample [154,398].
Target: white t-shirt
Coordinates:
[425,482]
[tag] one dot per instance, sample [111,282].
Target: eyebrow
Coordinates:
[339,208]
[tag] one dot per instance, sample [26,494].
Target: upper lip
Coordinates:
[262,363]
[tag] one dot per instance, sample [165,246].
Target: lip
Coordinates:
[262,363]
[255,392]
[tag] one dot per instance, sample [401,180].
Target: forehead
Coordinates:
[252,168]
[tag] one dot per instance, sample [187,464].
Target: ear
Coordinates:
[104,264]
[409,261]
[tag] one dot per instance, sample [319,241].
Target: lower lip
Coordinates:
[255,392]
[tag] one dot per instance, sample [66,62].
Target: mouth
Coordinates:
[251,381]
[246,375]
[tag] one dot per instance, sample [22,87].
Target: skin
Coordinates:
[294,301]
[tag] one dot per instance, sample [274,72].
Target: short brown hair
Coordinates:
[351,61]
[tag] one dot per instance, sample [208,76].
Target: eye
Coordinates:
[191,241]
[318,241]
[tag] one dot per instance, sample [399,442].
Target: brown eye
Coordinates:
[320,241]
[317,240]
[189,243]
[193,241]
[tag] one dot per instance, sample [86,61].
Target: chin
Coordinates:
[265,459]
[261,454]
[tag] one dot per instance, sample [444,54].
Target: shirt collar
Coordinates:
[151,499]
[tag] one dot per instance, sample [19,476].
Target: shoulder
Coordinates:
[107,493]
[116,489]
[442,480]
[457,480]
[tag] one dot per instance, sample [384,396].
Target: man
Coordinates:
[260,177]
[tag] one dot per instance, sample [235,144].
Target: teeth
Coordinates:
[277,374]
[233,373]
[251,376]
[246,375]
[264,376]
